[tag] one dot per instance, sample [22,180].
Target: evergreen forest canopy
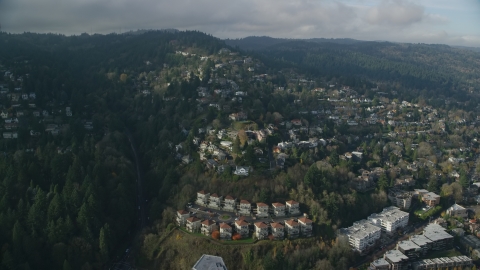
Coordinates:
[68,201]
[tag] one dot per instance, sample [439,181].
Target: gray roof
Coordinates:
[209,262]
[420,240]
[471,241]
[395,256]
[436,232]
[380,262]
[360,229]
[391,214]
[407,245]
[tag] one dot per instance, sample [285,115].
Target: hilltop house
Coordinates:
[241,170]
[215,201]
[457,211]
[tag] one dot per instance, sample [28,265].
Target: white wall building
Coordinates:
[362,234]
[390,219]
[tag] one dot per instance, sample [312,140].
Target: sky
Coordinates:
[452,22]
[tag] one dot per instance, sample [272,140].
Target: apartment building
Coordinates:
[225,231]
[208,227]
[230,204]
[390,219]
[410,249]
[400,198]
[380,264]
[457,262]
[245,207]
[202,197]
[305,226]
[241,227]
[396,259]
[292,207]
[278,209]
[278,230]
[261,230]
[431,199]
[293,229]
[262,210]
[440,238]
[215,201]
[423,242]
[182,216]
[362,234]
[193,224]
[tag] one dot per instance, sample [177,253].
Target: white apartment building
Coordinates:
[261,230]
[215,201]
[230,203]
[262,210]
[362,234]
[202,197]
[278,209]
[241,227]
[293,207]
[390,219]
[245,207]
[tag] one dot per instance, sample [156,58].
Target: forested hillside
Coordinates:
[199,111]
[436,69]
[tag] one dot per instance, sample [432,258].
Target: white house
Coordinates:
[261,230]
[225,231]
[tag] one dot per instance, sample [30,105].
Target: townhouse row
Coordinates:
[245,208]
[276,230]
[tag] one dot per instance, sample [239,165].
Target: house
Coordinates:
[24,96]
[293,229]
[241,170]
[229,204]
[193,224]
[245,207]
[296,122]
[202,197]
[68,111]
[293,207]
[4,114]
[262,210]
[182,216]
[457,211]
[261,230]
[225,231]
[208,227]
[305,226]
[215,201]
[278,230]
[36,113]
[241,227]
[278,209]
[32,95]
[212,164]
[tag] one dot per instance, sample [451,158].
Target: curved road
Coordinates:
[125,262]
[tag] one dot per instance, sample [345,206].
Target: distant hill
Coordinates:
[259,43]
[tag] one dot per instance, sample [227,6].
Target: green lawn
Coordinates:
[225,217]
[443,253]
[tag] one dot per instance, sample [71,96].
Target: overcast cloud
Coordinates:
[430,21]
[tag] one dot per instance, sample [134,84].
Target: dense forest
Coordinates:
[68,201]
[438,69]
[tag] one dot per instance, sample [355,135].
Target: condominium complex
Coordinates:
[390,219]
[362,234]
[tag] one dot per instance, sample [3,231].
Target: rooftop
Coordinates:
[225,226]
[360,229]
[277,204]
[304,220]
[420,240]
[456,207]
[395,256]
[261,225]
[436,232]
[291,223]
[408,245]
[380,262]
[430,196]
[209,262]
[391,213]
[276,225]
[292,202]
